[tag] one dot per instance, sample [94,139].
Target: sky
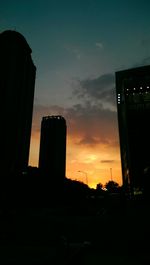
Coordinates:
[77,46]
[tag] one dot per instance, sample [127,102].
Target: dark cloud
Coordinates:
[87,124]
[88,140]
[100,89]
[92,123]
[107,161]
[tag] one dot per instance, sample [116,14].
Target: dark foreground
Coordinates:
[67,235]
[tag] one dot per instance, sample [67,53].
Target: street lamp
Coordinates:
[111,173]
[85,175]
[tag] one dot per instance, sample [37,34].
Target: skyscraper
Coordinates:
[133,103]
[52,157]
[17,80]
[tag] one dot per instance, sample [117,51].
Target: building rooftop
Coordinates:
[12,36]
[54,117]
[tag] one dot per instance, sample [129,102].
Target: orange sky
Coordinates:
[77,46]
[92,143]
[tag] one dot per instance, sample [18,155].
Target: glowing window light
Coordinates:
[118,98]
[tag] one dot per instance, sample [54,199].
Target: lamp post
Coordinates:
[86,177]
[111,174]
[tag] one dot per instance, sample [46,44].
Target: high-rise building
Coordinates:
[17,81]
[52,157]
[133,103]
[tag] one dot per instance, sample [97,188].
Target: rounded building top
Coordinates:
[53,119]
[11,37]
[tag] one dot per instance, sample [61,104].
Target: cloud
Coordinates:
[88,140]
[87,124]
[107,161]
[99,45]
[99,90]
[93,120]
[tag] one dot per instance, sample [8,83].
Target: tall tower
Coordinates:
[133,103]
[52,157]
[17,80]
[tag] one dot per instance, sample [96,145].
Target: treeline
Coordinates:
[31,188]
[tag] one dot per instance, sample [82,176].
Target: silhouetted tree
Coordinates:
[112,186]
[75,189]
[99,186]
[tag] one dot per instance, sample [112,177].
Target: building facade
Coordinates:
[17,81]
[52,156]
[133,104]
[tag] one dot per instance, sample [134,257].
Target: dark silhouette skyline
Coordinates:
[133,103]
[77,47]
[17,92]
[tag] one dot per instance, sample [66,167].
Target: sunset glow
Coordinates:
[90,162]
[77,46]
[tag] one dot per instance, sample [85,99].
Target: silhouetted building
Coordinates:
[17,80]
[133,103]
[52,157]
